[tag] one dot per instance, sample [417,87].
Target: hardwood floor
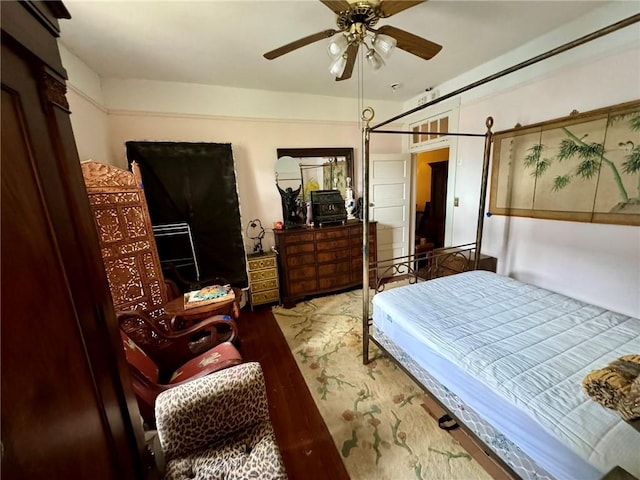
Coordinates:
[307,448]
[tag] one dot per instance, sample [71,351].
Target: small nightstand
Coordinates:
[263,278]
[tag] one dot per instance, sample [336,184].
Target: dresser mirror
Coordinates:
[319,169]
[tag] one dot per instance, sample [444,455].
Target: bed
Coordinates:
[505,359]
[513,356]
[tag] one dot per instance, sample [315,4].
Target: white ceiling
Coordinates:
[222,42]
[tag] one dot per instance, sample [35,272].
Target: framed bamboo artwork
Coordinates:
[584,167]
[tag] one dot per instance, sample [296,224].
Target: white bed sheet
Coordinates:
[517,354]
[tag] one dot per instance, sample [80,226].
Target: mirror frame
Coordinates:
[321,152]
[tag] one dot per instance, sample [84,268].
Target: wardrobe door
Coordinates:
[67,405]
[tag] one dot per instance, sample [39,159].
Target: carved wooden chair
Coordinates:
[132,264]
[149,380]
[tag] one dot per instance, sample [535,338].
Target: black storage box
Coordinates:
[328,207]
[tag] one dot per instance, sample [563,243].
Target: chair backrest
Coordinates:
[126,238]
[144,377]
[138,359]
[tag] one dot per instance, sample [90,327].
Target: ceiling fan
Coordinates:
[355,21]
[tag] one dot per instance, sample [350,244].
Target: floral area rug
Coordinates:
[372,411]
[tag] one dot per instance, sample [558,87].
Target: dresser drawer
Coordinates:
[302,287]
[333,255]
[260,263]
[303,273]
[301,260]
[259,275]
[302,237]
[264,285]
[332,235]
[329,269]
[333,244]
[300,248]
[334,282]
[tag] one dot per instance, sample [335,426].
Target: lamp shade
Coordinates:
[338,45]
[384,45]
[374,59]
[338,65]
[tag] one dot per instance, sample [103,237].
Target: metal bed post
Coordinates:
[488,140]
[367,116]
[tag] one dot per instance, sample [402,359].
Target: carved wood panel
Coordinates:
[128,249]
[126,239]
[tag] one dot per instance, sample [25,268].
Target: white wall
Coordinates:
[88,115]
[255,122]
[195,99]
[254,143]
[592,262]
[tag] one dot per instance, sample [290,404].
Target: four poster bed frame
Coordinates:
[507,455]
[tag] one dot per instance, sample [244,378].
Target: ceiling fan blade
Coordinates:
[411,43]
[337,5]
[352,54]
[290,47]
[391,7]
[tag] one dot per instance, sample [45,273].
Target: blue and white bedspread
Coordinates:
[529,345]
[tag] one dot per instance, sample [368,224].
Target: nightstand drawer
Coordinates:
[260,275]
[260,263]
[264,285]
[268,296]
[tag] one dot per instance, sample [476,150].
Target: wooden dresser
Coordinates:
[321,260]
[263,278]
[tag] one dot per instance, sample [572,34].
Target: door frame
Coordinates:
[450,108]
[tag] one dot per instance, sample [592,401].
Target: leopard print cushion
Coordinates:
[251,453]
[218,427]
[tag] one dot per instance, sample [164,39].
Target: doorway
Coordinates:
[432,174]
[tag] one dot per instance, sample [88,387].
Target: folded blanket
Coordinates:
[617,386]
[629,405]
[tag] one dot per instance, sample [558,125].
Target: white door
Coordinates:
[390,199]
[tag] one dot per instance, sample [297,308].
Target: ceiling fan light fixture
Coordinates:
[338,45]
[384,45]
[374,59]
[338,65]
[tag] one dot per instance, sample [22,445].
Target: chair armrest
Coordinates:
[213,406]
[171,349]
[209,324]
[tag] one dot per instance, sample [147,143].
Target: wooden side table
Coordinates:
[186,317]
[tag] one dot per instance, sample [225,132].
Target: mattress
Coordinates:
[517,354]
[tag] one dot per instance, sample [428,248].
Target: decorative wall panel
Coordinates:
[584,167]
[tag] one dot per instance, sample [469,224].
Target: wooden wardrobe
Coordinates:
[68,409]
